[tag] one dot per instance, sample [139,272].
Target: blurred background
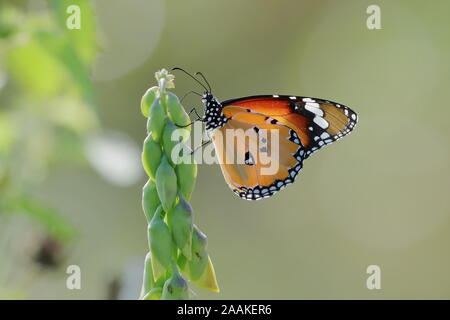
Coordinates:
[71,132]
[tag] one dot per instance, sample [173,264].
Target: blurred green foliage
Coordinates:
[47,105]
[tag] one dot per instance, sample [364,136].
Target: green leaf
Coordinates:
[10,20]
[83,39]
[50,218]
[34,68]
[64,51]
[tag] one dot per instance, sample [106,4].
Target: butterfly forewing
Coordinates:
[317,122]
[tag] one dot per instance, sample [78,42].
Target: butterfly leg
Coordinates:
[196,113]
[199,118]
[204,143]
[188,93]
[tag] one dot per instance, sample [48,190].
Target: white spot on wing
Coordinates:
[321,122]
[311,107]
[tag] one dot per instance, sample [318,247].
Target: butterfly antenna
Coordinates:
[190,75]
[188,93]
[204,78]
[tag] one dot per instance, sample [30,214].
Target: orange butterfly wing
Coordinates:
[270,151]
[317,122]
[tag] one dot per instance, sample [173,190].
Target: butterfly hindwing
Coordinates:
[271,153]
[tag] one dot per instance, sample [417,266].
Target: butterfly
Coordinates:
[302,125]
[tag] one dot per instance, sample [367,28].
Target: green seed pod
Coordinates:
[151,156]
[154,294]
[175,288]
[170,140]
[166,184]
[160,243]
[199,257]
[147,100]
[200,268]
[157,120]
[181,261]
[180,223]
[176,110]
[208,278]
[150,199]
[186,173]
[149,282]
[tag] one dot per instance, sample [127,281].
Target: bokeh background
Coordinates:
[71,132]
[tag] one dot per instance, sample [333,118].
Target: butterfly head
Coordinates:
[208,99]
[214,118]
